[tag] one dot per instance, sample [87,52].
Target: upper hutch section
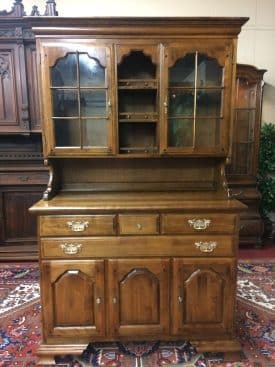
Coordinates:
[137,87]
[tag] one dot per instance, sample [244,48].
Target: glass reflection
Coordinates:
[183,72]
[95,133]
[180,132]
[181,103]
[67,133]
[207,132]
[208,103]
[93,103]
[65,103]
[210,73]
[91,73]
[64,72]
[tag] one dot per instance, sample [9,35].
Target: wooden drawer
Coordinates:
[194,223]
[77,225]
[133,246]
[138,224]
[24,178]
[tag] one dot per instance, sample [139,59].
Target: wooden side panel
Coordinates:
[18,223]
[32,82]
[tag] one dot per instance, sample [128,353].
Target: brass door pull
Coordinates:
[206,246]
[78,226]
[199,224]
[71,248]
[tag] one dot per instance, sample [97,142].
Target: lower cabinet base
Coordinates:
[231,349]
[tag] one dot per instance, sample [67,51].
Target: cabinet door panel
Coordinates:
[138,297]
[196,95]
[74,295]
[19,225]
[13,92]
[78,97]
[202,296]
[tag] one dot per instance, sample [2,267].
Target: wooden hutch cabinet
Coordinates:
[242,173]
[138,235]
[23,177]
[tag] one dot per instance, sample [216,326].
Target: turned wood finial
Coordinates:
[51,8]
[16,11]
[35,11]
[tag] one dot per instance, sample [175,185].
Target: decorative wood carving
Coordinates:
[51,8]
[4,67]
[16,11]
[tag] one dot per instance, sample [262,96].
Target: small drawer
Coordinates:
[77,225]
[194,223]
[138,224]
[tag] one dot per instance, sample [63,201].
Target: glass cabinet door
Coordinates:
[79,112]
[193,102]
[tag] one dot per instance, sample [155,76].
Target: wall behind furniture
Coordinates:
[256,41]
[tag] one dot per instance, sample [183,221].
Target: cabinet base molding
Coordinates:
[231,348]
[47,352]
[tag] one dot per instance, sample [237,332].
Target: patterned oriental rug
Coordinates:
[20,330]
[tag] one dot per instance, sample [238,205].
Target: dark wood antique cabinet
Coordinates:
[242,173]
[138,234]
[23,176]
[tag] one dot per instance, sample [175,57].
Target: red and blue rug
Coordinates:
[20,329]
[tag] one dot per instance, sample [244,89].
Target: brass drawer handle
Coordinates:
[71,248]
[78,226]
[139,226]
[199,224]
[98,301]
[206,246]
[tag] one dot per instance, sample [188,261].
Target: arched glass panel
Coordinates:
[91,73]
[64,72]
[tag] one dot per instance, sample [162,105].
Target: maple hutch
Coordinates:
[138,235]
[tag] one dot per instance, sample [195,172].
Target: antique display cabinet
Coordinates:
[242,172]
[23,177]
[138,234]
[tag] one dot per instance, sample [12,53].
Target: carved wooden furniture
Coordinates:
[138,235]
[23,176]
[242,173]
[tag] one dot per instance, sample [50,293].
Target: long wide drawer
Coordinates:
[88,225]
[194,223]
[138,246]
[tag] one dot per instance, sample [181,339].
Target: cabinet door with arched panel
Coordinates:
[202,297]
[77,98]
[196,94]
[138,300]
[73,295]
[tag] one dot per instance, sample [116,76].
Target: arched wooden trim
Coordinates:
[219,55]
[210,271]
[72,272]
[136,272]
[245,71]
[66,53]
[147,52]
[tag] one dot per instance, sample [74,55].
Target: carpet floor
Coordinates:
[20,328]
